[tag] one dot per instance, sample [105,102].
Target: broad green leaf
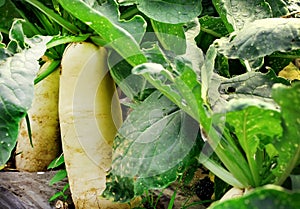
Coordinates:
[179,11]
[267,197]
[105,25]
[193,53]
[171,36]
[136,26]
[154,145]
[133,86]
[253,85]
[185,95]
[16,78]
[236,13]
[255,127]
[289,146]
[155,138]
[183,88]
[260,38]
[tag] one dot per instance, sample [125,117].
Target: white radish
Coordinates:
[43,116]
[90,114]
[233,193]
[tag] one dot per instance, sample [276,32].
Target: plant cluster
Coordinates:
[212,83]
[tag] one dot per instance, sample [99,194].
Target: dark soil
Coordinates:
[23,190]
[20,190]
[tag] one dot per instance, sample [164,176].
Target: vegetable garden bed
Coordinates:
[208,84]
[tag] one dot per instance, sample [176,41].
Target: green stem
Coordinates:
[211,32]
[60,40]
[54,16]
[52,67]
[45,22]
[129,13]
[250,158]
[29,129]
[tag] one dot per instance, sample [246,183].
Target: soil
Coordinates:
[23,190]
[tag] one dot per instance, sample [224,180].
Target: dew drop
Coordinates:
[183,102]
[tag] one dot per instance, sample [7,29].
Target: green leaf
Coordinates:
[182,87]
[9,12]
[118,189]
[260,38]
[207,72]
[213,26]
[255,127]
[236,13]
[289,146]
[267,197]
[171,36]
[56,195]
[16,36]
[17,76]
[56,162]
[60,175]
[59,40]
[295,180]
[155,144]
[135,26]
[279,7]
[253,85]
[179,11]
[155,138]
[133,86]
[104,20]
[54,16]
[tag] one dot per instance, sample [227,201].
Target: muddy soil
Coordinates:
[23,190]
[20,190]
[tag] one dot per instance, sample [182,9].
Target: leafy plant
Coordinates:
[59,176]
[202,80]
[19,65]
[258,149]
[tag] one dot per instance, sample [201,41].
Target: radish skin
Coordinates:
[43,116]
[232,193]
[90,114]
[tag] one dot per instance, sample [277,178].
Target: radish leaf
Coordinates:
[238,12]
[179,11]
[260,38]
[17,76]
[155,150]
[267,197]
[289,145]
[104,20]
